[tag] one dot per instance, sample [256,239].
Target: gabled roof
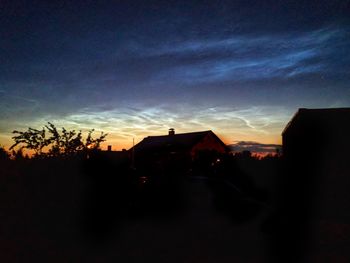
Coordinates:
[332,117]
[176,142]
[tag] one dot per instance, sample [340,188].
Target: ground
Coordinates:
[200,232]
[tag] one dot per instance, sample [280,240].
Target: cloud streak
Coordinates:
[239,68]
[251,57]
[127,123]
[255,147]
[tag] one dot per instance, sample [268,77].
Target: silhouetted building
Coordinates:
[317,143]
[177,147]
[115,157]
[184,143]
[316,184]
[322,130]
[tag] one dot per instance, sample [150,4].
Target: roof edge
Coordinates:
[292,119]
[302,110]
[152,136]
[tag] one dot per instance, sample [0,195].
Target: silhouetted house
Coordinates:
[316,185]
[318,133]
[185,146]
[113,157]
[116,154]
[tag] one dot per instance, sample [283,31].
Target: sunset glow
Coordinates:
[224,67]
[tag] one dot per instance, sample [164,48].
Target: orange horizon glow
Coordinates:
[118,145]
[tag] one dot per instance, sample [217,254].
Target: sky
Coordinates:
[137,68]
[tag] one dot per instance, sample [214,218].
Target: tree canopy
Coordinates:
[49,141]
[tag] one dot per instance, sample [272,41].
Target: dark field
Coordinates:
[97,211]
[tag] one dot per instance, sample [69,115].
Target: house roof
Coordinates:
[176,142]
[332,117]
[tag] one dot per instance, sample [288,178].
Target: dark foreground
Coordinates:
[100,213]
[37,228]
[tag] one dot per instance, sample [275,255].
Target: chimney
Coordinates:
[171,131]
[109,148]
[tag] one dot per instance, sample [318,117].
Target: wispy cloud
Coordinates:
[228,67]
[240,44]
[263,123]
[255,147]
[246,57]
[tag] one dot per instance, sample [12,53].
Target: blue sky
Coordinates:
[135,69]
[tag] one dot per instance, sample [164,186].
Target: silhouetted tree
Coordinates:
[70,142]
[32,139]
[4,155]
[62,143]
[18,155]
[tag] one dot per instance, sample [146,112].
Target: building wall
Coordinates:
[209,142]
[315,180]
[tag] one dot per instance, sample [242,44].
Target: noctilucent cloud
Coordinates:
[136,68]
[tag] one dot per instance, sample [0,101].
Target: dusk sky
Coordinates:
[136,68]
